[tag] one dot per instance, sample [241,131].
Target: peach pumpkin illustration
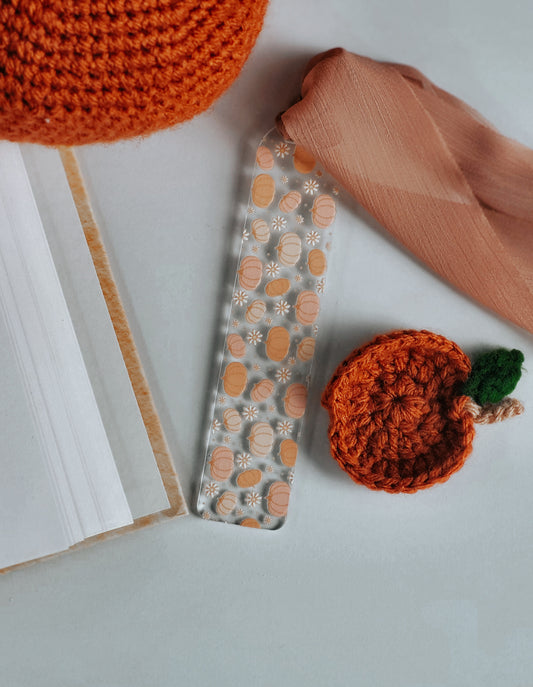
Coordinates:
[250,522]
[249,478]
[317,263]
[262,390]
[250,273]
[255,311]
[264,158]
[323,212]
[278,343]
[263,190]
[289,249]
[295,400]
[304,162]
[278,499]
[288,452]
[235,379]
[260,230]
[306,349]
[277,287]
[261,439]
[226,503]
[221,464]
[307,307]
[236,345]
[232,420]
[290,201]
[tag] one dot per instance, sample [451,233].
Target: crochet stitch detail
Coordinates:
[83,71]
[397,416]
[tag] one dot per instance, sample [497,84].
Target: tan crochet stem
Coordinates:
[494,412]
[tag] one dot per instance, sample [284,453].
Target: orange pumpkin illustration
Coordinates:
[290,201]
[250,272]
[278,343]
[255,311]
[317,263]
[278,499]
[277,287]
[235,378]
[221,464]
[264,158]
[288,452]
[249,478]
[250,522]
[260,230]
[226,503]
[306,349]
[263,190]
[261,439]
[295,400]
[323,211]
[289,249]
[232,420]
[307,307]
[304,162]
[262,390]
[236,345]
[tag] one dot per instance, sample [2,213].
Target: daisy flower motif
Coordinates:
[311,187]
[239,512]
[290,477]
[284,427]
[271,409]
[215,425]
[251,210]
[298,277]
[315,328]
[235,323]
[268,320]
[320,285]
[292,361]
[254,337]
[227,439]
[299,219]
[284,179]
[222,400]
[245,235]
[282,150]
[312,238]
[240,297]
[253,499]
[249,412]
[279,223]
[283,375]
[256,367]
[211,489]
[335,191]
[205,515]
[254,249]
[282,307]
[244,460]
[267,519]
[272,269]
[296,328]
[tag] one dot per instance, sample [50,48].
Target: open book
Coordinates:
[82,452]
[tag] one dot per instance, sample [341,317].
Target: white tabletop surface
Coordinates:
[359,587]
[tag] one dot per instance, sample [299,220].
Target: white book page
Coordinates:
[120,413]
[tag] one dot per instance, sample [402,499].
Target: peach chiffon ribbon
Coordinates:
[429,168]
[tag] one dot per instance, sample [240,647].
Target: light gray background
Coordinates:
[358,588]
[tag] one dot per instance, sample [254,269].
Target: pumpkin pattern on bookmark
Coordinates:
[261,392]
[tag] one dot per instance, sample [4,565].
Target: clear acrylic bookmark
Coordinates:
[260,394]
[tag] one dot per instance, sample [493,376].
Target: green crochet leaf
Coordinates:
[494,375]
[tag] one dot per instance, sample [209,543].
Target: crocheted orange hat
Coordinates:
[402,408]
[80,71]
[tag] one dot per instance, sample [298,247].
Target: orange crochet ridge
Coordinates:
[398,421]
[80,71]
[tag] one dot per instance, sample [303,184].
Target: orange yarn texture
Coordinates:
[83,71]
[398,421]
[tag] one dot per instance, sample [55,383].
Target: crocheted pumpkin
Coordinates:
[80,71]
[400,419]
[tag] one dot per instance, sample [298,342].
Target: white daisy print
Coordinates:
[320,285]
[227,439]
[254,337]
[267,519]
[312,238]
[269,468]
[299,219]
[240,297]
[284,179]
[282,307]
[279,223]
[268,320]
[222,400]
[245,235]
[251,210]
[290,477]
[215,425]
[249,412]
[205,515]
[255,249]
[253,499]
[283,374]
[256,367]
[235,323]
[292,361]
[298,277]
[282,150]
[311,187]
[239,512]
[211,489]
[284,427]
[315,329]
[244,460]
[272,269]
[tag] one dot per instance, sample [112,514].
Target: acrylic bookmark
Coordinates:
[261,392]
